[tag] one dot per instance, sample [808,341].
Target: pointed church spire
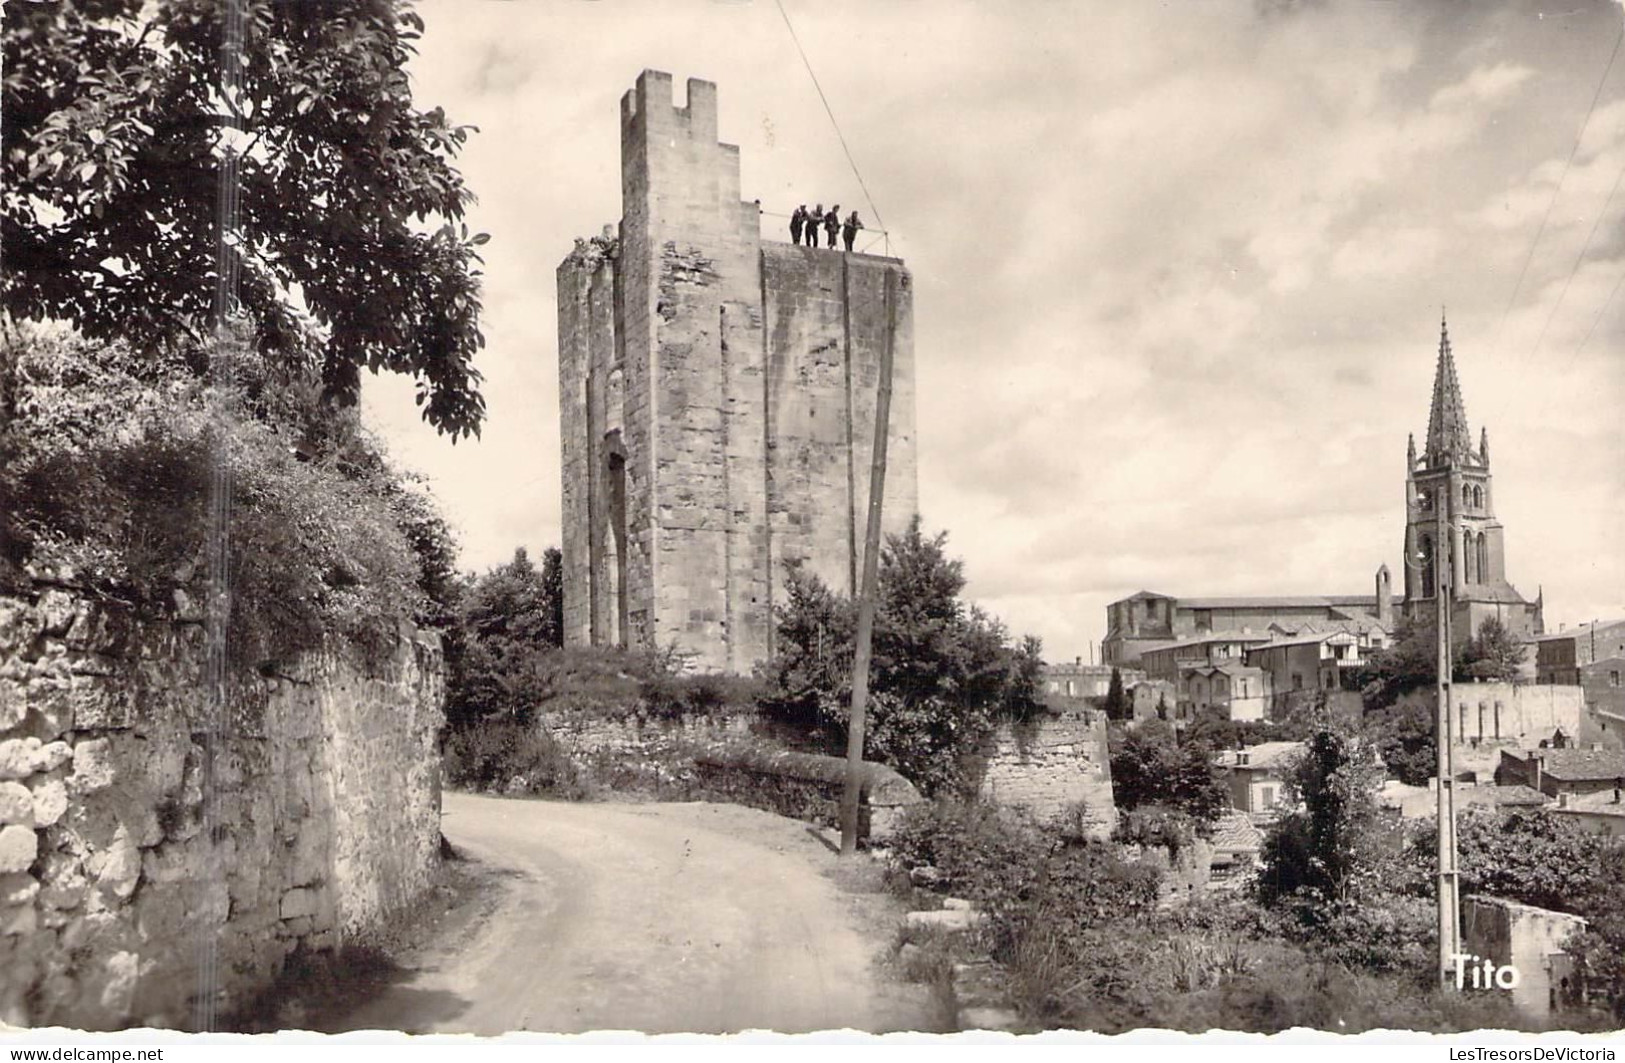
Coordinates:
[1448,437]
[1410,453]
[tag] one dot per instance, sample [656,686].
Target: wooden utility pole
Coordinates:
[1444,563]
[850,797]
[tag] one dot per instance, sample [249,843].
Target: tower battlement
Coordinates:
[650,104]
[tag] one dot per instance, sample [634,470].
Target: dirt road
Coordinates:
[656,917]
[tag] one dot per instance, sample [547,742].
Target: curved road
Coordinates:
[656,917]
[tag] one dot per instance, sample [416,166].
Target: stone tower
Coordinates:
[1452,479]
[717,396]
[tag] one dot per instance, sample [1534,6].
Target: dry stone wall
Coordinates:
[113,874]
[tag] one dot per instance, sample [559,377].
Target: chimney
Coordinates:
[1241,757]
[1078,661]
[1537,765]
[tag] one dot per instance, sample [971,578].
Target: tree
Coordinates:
[942,671]
[1407,663]
[1494,653]
[1338,847]
[553,590]
[506,627]
[352,252]
[1117,705]
[1404,734]
[1150,767]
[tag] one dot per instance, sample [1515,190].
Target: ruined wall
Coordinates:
[717,401]
[1050,765]
[325,820]
[1530,939]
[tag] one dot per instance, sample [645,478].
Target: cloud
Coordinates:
[1178,268]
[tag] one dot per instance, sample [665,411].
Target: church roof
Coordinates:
[1448,437]
[1308,601]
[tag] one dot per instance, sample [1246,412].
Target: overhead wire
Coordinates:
[1578,259]
[1558,189]
[869,199]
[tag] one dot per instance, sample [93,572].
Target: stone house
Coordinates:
[1236,845]
[1170,660]
[1320,660]
[1560,657]
[1256,777]
[1076,680]
[1603,685]
[1557,771]
[1155,699]
[1602,812]
[1238,691]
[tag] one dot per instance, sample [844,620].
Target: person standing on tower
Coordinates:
[832,225]
[797,219]
[811,230]
[849,231]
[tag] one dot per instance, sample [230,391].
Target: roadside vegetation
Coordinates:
[105,461]
[1335,932]
[944,673]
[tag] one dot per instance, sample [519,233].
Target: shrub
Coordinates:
[942,673]
[982,852]
[509,757]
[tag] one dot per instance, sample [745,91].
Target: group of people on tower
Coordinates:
[804,225]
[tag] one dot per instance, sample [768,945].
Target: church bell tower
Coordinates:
[1451,480]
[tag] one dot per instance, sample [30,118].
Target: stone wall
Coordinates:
[1493,716]
[1530,939]
[728,758]
[114,874]
[1051,765]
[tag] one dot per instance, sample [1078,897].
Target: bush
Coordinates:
[504,756]
[106,459]
[982,852]
[665,695]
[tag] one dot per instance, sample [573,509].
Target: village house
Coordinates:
[1601,812]
[1256,776]
[1416,802]
[1561,657]
[1156,699]
[1559,771]
[1236,846]
[1604,696]
[1076,680]
[1320,660]
[1237,691]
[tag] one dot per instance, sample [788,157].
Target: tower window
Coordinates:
[1478,497]
[1466,495]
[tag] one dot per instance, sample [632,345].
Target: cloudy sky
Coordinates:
[1179,267]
